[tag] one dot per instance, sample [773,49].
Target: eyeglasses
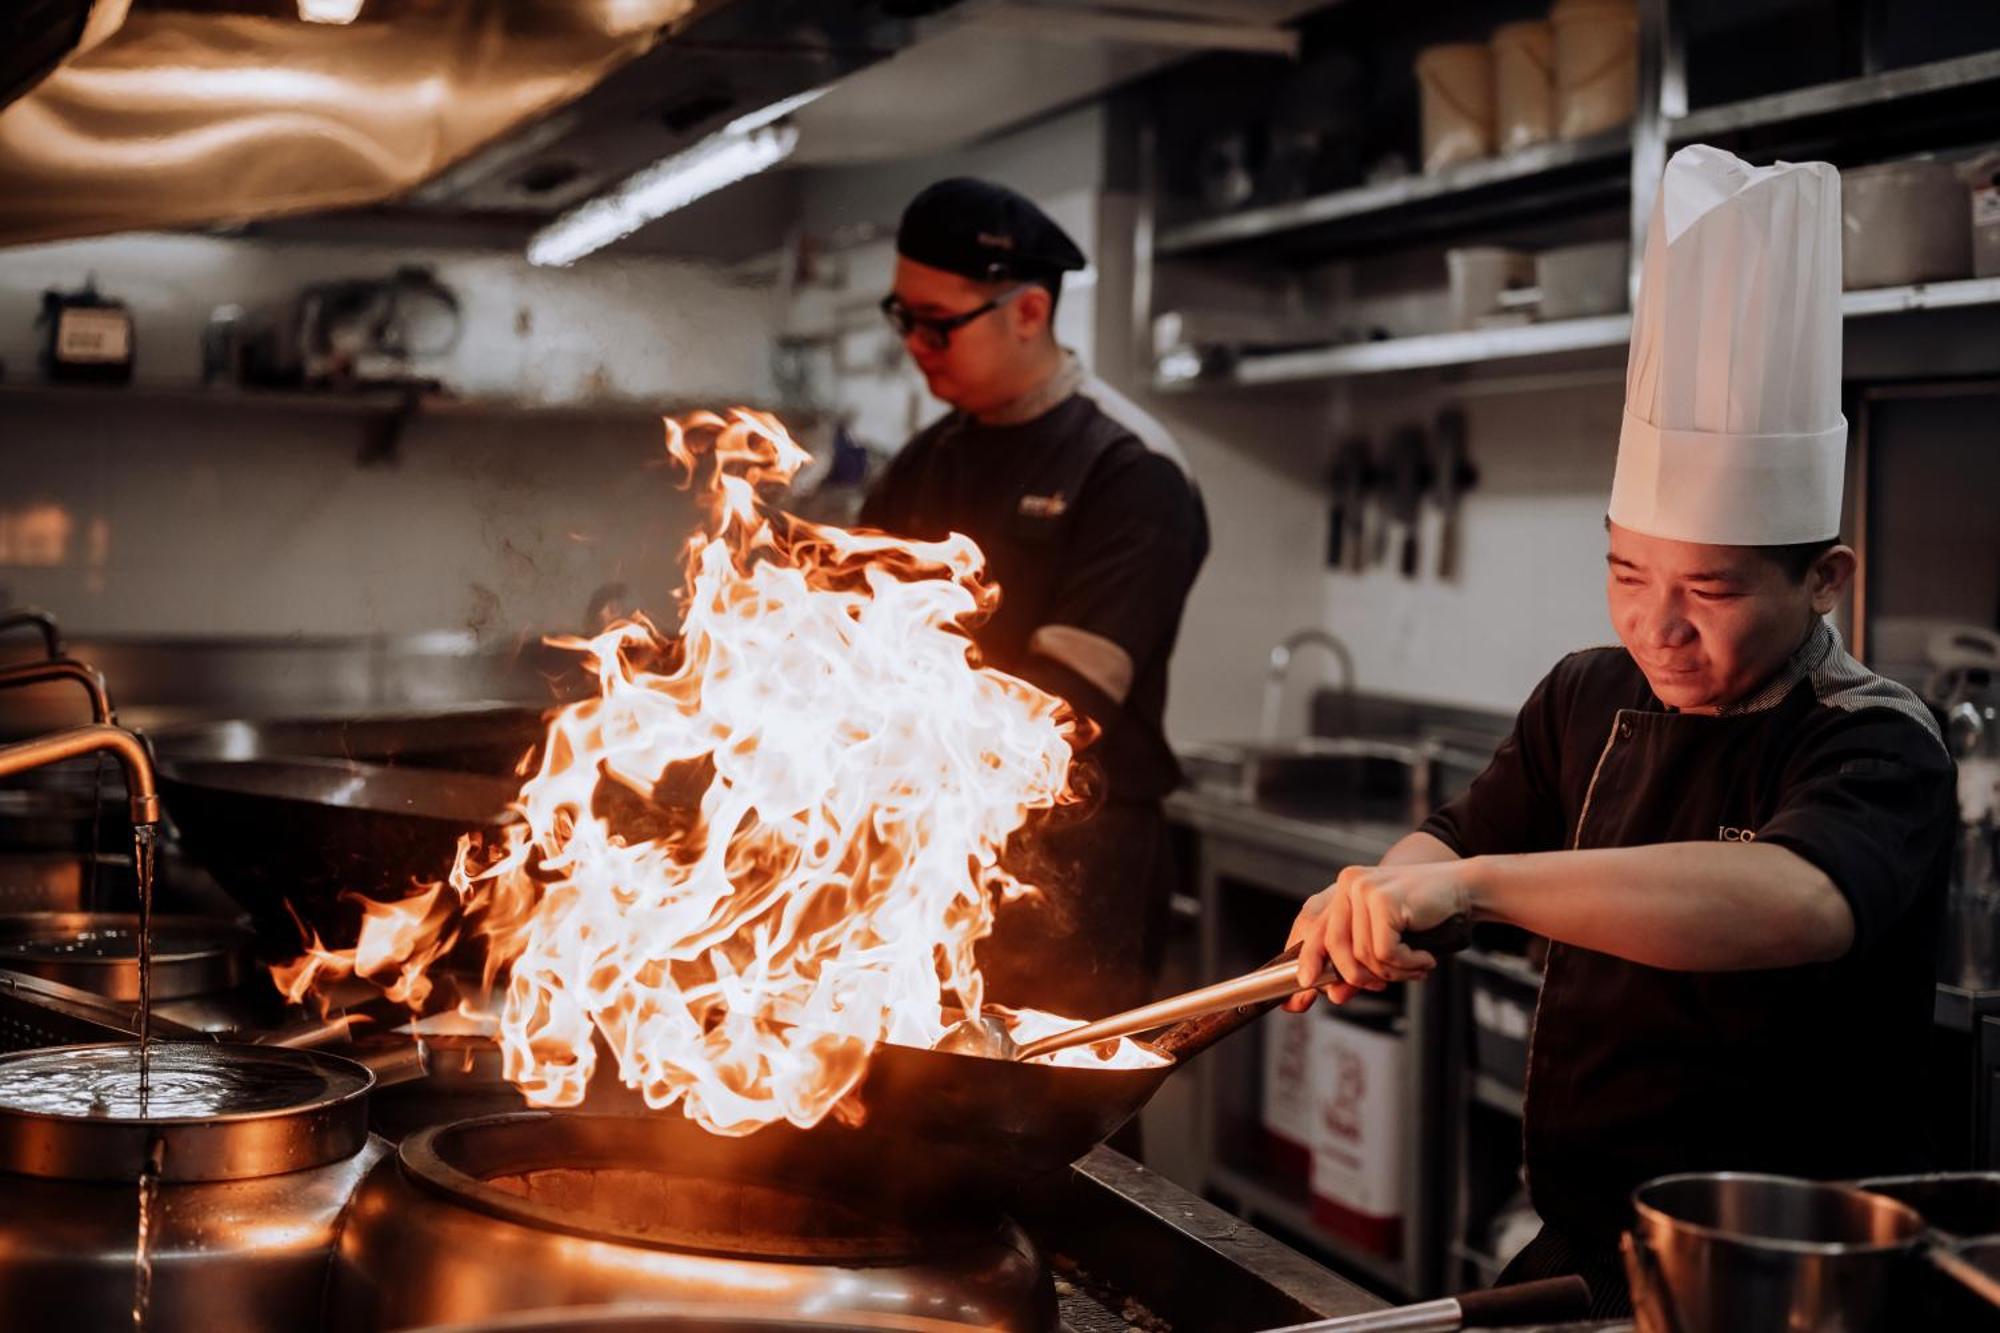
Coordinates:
[935,330]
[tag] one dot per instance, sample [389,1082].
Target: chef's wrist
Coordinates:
[1478,888]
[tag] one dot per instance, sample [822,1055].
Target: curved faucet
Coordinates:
[42,621]
[63,668]
[124,746]
[1281,665]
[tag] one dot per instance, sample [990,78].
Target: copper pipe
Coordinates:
[125,747]
[63,668]
[42,621]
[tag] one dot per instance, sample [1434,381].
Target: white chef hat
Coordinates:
[1733,434]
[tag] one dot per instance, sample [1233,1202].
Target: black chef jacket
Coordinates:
[1635,1072]
[1091,525]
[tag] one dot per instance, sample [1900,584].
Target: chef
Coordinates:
[1093,530]
[1733,834]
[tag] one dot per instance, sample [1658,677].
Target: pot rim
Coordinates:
[1920,1233]
[332,1101]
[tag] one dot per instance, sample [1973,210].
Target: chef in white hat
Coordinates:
[1734,836]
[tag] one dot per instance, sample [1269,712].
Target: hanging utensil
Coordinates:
[1452,475]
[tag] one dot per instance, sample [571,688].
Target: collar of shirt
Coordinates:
[1043,398]
[1820,643]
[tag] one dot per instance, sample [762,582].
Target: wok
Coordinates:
[475,738]
[995,1126]
[305,831]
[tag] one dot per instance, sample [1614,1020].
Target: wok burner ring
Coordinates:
[634,1180]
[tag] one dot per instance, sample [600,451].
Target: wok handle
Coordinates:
[1553,1300]
[1189,1038]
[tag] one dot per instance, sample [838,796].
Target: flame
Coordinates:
[766,845]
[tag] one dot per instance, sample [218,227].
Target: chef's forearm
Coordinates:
[1688,906]
[1418,849]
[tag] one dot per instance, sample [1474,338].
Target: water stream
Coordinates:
[142,1254]
[142,870]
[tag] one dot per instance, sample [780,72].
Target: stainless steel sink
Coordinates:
[1320,776]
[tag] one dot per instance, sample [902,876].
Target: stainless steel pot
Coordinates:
[99,952]
[1737,1253]
[535,1211]
[243,1210]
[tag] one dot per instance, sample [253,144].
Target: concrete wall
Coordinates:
[137,516]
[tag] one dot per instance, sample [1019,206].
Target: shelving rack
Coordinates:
[1878,110]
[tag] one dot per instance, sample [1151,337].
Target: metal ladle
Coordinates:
[1277,980]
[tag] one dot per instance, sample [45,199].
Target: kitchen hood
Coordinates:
[488,117]
[175,113]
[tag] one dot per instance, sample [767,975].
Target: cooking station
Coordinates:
[1118,1246]
[341,1167]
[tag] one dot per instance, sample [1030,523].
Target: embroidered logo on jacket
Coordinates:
[1725,833]
[1043,506]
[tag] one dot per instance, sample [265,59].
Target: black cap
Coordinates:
[985,232]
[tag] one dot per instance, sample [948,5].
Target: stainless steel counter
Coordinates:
[1333,842]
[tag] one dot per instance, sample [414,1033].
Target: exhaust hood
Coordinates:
[490,117]
[175,113]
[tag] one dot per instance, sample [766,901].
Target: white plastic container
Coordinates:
[1287,1107]
[1597,64]
[1477,274]
[1578,281]
[1362,1115]
[1524,85]
[1982,177]
[1456,84]
[1903,222]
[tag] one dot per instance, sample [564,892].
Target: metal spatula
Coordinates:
[1275,981]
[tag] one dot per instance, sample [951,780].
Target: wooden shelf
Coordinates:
[1274,1206]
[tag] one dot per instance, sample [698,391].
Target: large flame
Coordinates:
[768,844]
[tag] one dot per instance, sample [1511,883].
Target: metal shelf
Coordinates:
[1274,1206]
[1922,296]
[1424,352]
[1828,99]
[1433,351]
[1489,179]
[340,402]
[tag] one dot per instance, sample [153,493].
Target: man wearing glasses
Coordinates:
[1093,530]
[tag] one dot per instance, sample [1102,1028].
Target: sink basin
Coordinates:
[1319,776]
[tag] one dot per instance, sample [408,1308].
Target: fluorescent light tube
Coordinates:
[330,11]
[777,111]
[671,183]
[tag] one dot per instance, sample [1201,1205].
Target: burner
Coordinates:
[516,1212]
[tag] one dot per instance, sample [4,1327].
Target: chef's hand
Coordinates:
[1357,924]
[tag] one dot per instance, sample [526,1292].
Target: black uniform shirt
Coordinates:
[1635,1072]
[1094,533]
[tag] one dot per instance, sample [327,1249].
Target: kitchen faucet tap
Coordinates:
[1281,665]
[124,746]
